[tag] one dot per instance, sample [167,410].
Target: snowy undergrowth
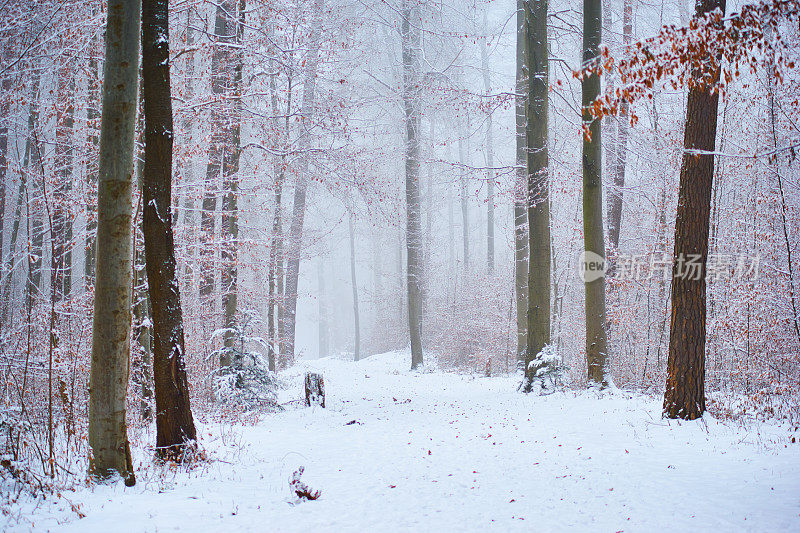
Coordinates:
[433,451]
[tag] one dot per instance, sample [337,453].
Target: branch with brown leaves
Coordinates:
[691,56]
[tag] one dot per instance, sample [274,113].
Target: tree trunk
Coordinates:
[112,303]
[36,223]
[538,330]
[324,337]
[299,206]
[487,86]
[520,191]
[464,196]
[410,38]
[230,210]
[620,150]
[595,289]
[684,396]
[357,349]
[175,431]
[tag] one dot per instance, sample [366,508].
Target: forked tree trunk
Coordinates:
[538,330]
[299,207]
[111,329]
[520,191]
[595,290]
[230,209]
[684,396]
[410,39]
[620,149]
[224,33]
[93,128]
[175,431]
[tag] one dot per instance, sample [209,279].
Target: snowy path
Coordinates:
[442,452]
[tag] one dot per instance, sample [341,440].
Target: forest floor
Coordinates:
[433,451]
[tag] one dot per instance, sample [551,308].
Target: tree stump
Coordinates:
[315,389]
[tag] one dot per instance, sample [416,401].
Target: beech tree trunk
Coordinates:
[175,430]
[538,330]
[410,40]
[5,119]
[595,290]
[111,327]
[684,396]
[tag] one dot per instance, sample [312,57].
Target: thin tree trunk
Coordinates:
[595,289]
[684,396]
[520,190]
[112,303]
[464,196]
[142,362]
[93,127]
[175,430]
[62,218]
[410,38]
[299,206]
[5,107]
[357,349]
[538,330]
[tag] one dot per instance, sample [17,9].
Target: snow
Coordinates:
[434,451]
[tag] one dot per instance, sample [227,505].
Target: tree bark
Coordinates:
[175,430]
[410,39]
[112,303]
[595,290]
[520,190]
[684,396]
[538,330]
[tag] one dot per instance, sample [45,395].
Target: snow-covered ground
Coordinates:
[432,451]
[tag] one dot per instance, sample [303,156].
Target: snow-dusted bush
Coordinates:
[547,370]
[246,382]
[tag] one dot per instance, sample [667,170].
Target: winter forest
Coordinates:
[402,265]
